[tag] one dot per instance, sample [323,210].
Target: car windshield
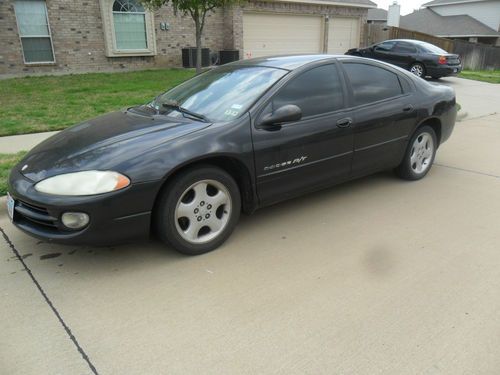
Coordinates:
[219,95]
[431,48]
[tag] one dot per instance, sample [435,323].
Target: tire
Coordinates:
[419,154]
[436,77]
[417,69]
[198,210]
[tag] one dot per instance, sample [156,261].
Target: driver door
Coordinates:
[311,153]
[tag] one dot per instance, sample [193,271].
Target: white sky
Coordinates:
[407,6]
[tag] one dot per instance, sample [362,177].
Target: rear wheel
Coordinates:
[199,210]
[418,69]
[419,154]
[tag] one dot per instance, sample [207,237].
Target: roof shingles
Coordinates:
[428,21]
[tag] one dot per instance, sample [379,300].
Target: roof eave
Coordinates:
[319,2]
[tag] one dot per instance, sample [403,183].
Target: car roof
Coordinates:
[288,62]
[415,41]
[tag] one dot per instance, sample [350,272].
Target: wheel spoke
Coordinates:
[413,157]
[200,192]
[214,223]
[219,199]
[186,210]
[192,230]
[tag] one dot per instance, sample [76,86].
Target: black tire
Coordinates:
[168,227]
[415,68]
[407,169]
[436,78]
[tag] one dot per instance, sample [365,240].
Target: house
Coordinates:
[471,20]
[52,36]
[377,16]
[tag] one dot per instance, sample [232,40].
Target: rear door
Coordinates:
[403,54]
[310,153]
[383,115]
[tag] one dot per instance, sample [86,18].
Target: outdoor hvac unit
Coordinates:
[227,56]
[189,57]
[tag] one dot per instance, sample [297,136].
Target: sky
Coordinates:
[407,6]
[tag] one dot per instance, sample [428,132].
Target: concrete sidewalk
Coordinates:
[23,142]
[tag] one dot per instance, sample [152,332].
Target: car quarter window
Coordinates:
[316,91]
[370,83]
[385,46]
[404,47]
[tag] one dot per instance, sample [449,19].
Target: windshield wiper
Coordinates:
[186,111]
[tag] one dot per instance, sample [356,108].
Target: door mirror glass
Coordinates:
[286,113]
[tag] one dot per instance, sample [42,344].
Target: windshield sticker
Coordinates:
[237,106]
[231,112]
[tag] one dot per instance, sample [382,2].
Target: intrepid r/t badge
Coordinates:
[286,163]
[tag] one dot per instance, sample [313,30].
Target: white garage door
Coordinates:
[276,34]
[343,33]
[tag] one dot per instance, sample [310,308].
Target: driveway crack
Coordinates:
[49,302]
[467,170]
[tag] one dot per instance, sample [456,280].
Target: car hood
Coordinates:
[103,143]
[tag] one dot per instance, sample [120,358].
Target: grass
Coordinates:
[7,161]
[37,104]
[491,76]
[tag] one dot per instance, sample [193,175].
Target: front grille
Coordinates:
[36,215]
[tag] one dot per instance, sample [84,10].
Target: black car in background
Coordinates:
[421,58]
[235,138]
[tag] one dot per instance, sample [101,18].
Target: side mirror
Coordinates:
[286,113]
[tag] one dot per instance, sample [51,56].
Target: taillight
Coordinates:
[442,60]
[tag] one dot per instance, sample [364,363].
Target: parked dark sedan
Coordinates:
[421,58]
[232,139]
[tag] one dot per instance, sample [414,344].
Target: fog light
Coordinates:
[75,220]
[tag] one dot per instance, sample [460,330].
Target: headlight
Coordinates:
[83,183]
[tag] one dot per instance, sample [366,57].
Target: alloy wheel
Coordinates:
[203,211]
[421,153]
[417,69]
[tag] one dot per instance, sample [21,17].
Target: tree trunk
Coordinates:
[198,45]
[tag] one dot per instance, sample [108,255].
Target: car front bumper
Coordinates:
[115,217]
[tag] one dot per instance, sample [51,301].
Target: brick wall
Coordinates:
[78,39]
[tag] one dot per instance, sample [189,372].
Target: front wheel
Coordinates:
[419,154]
[198,210]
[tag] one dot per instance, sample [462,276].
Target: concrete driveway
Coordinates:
[377,276]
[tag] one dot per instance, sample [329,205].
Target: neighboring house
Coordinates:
[471,20]
[377,16]
[49,36]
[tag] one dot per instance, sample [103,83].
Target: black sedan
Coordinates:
[421,58]
[235,138]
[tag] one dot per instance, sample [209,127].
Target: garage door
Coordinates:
[343,33]
[276,34]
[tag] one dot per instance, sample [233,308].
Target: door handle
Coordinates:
[408,108]
[344,122]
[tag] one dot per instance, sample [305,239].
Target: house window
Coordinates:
[129,28]
[34,31]
[129,19]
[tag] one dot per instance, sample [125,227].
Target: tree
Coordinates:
[198,10]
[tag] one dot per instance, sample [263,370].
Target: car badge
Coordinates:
[25,166]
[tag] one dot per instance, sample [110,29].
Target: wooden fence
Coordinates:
[474,56]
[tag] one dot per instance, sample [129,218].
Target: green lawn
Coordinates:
[491,76]
[7,161]
[37,104]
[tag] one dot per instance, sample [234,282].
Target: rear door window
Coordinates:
[371,83]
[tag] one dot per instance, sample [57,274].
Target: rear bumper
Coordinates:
[444,70]
[114,217]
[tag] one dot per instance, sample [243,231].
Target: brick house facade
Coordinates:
[80,37]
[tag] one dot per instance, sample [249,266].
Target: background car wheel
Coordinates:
[419,154]
[198,210]
[435,77]
[417,69]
